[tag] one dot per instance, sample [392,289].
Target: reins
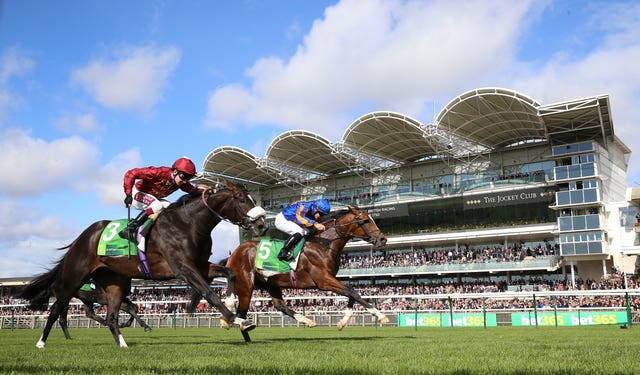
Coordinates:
[214,212]
[358,221]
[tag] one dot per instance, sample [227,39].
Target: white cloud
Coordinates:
[107,182]
[398,55]
[28,239]
[133,80]
[18,222]
[609,68]
[32,165]
[14,62]
[78,123]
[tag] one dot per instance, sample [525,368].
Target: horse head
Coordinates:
[359,224]
[238,207]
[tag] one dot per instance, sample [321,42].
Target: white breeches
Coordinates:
[148,202]
[289,227]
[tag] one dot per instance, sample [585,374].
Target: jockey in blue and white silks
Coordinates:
[299,219]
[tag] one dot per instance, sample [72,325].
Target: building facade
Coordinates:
[495,171]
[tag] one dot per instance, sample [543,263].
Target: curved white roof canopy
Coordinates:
[493,118]
[478,120]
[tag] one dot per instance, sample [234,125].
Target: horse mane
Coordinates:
[185,199]
[197,193]
[337,214]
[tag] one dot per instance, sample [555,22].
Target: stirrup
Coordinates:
[129,234]
[285,255]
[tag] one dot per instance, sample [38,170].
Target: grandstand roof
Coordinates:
[390,136]
[236,163]
[484,119]
[492,117]
[306,151]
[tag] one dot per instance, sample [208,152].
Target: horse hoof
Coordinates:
[312,324]
[147,329]
[384,320]
[341,326]
[224,324]
[246,326]
[40,345]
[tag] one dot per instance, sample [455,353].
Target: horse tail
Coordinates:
[39,290]
[223,262]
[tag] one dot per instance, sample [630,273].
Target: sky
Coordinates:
[90,89]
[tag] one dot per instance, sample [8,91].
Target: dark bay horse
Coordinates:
[97,295]
[179,246]
[317,266]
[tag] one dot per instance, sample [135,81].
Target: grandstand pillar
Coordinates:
[573,276]
[604,267]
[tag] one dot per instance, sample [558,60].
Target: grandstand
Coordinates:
[499,188]
[544,185]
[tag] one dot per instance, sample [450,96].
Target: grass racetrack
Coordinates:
[356,350]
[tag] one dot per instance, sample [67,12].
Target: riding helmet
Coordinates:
[185,165]
[323,206]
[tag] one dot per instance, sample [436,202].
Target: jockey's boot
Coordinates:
[287,250]
[130,231]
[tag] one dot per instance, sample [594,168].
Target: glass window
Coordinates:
[565,223]
[575,171]
[579,223]
[567,249]
[581,248]
[561,173]
[590,195]
[563,198]
[595,248]
[576,196]
[586,146]
[593,221]
[588,169]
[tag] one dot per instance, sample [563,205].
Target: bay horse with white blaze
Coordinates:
[178,246]
[317,267]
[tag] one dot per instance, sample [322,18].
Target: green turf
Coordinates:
[356,350]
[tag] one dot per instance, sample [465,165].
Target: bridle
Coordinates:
[360,222]
[245,224]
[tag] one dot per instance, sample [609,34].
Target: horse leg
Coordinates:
[278,302]
[347,314]
[113,285]
[244,290]
[91,314]
[128,322]
[62,320]
[114,298]
[132,310]
[54,314]
[332,284]
[221,271]
[198,282]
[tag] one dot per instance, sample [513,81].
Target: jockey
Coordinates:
[152,185]
[299,219]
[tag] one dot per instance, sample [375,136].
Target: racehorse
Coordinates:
[179,246]
[317,267]
[97,295]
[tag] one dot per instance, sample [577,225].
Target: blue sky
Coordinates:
[89,89]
